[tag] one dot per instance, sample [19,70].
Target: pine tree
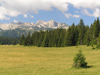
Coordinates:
[86,40]
[22,40]
[35,38]
[40,38]
[27,40]
[51,35]
[81,28]
[96,28]
[45,42]
[68,38]
[79,60]
[73,34]
[76,35]
[14,42]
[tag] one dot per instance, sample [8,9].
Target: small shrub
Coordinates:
[79,60]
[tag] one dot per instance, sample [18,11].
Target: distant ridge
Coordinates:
[41,24]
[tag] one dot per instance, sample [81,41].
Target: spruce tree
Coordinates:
[81,30]
[96,28]
[73,34]
[22,40]
[68,38]
[45,42]
[79,60]
[76,35]
[27,40]
[40,38]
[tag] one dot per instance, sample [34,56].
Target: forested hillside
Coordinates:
[8,40]
[75,35]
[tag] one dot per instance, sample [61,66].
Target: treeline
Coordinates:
[14,33]
[8,40]
[75,35]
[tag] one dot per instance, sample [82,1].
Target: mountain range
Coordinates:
[7,29]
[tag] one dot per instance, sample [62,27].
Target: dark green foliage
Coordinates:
[41,37]
[35,37]
[81,30]
[14,42]
[79,60]
[96,28]
[8,40]
[22,40]
[86,39]
[27,40]
[98,46]
[98,41]
[68,38]
[0,43]
[45,42]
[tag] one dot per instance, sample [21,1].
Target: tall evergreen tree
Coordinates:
[86,40]
[45,42]
[73,34]
[35,38]
[22,40]
[68,38]
[76,35]
[81,28]
[96,28]
[40,38]
[51,35]
[27,40]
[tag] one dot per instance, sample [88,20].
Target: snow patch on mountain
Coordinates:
[39,25]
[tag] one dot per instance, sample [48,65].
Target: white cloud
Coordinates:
[96,12]
[85,3]
[70,15]
[76,12]
[15,21]
[31,16]
[34,5]
[85,12]
[13,8]
[7,13]
[76,16]
[25,15]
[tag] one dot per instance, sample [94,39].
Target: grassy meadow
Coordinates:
[20,60]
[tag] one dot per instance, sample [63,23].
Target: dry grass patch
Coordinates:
[20,60]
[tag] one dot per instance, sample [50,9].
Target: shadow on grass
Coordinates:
[88,67]
[83,67]
[93,48]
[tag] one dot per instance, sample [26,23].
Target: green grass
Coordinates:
[20,60]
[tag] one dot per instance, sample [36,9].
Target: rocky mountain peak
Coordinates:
[52,23]
[19,22]
[40,22]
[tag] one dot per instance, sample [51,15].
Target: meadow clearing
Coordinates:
[21,60]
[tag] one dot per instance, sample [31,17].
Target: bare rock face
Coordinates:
[52,23]
[40,22]
[39,25]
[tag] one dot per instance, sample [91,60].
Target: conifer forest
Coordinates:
[80,34]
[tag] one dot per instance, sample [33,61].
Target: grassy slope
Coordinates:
[19,60]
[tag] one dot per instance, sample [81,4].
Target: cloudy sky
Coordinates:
[62,11]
